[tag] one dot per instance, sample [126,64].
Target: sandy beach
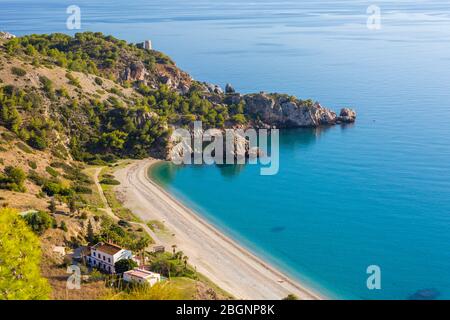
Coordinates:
[221,259]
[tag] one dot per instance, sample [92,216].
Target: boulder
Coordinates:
[229,88]
[218,90]
[347,115]
[136,71]
[6,35]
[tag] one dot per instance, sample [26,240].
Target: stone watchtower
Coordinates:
[147,44]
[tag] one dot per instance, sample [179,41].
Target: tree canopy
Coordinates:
[20,255]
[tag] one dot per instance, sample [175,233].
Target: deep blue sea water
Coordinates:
[374,193]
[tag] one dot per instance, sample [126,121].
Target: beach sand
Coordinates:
[226,263]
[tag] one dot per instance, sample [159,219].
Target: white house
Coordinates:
[104,255]
[141,276]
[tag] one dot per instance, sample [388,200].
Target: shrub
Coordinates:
[52,172]
[20,252]
[112,182]
[37,142]
[47,84]
[18,71]
[82,189]
[98,81]
[124,223]
[73,80]
[239,118]
[13,179]
[63,226]
[36,178]
[39,221]
[124,265]
[32,164]
[22,146]
[54,188]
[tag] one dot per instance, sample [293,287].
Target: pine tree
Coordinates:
[20,255]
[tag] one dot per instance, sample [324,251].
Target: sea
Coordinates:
[347,200]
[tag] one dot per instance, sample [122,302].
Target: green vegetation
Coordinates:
[98,81]
[124,265]
[20,256]
[123,236]
[66,119]
[52,172]
[170,290]
[116,206]
[112,182]
[32,164]
[117,126]
[172,265]
[13,179]
[39,221]
[18,71]
[36,131]
[73,80]
[156,225]
[86,52]
[63,226]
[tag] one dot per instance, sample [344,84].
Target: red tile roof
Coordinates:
[108,248]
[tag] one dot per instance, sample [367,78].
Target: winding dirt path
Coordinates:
[110,212]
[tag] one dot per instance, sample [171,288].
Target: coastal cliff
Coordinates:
[93,97]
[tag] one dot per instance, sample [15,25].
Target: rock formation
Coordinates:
[347,115]
[229,88]
[282,111]
[6,35]
[136,71]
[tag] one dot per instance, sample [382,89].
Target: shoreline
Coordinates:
[228,264]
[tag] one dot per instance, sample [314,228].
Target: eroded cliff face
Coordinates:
[238,144]
[136,96]
[162,73]
[265,111]
[281,111]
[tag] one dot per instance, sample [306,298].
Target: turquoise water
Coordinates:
[376,192]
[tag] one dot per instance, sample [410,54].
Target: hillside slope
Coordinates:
[95,97]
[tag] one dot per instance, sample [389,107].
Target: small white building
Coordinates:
[141,276]
[104,255]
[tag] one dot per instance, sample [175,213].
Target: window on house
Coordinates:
[104,258]
[109,260]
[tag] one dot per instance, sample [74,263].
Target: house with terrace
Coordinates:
[141,276]
[103,256]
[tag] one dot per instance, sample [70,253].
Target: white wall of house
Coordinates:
[105,261]
[151,280]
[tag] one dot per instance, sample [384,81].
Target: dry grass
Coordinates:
[58,76]
[54,266]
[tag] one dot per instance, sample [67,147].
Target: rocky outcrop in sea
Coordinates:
[282,111]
